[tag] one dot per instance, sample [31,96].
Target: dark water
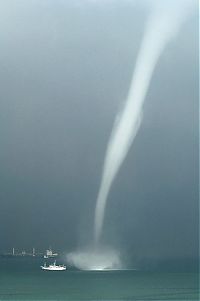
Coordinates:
[22,279]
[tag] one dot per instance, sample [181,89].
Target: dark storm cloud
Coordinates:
[65,71]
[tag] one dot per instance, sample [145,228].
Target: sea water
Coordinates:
[22,279]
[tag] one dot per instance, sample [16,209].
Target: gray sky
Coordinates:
[65,68]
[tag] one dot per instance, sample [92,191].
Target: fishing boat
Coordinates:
[49,254]
[53,267]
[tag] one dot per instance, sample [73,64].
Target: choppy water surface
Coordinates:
[22,279]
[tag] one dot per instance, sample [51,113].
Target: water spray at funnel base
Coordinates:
[163,24]
[93,259]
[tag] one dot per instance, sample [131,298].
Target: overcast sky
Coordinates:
[65,69]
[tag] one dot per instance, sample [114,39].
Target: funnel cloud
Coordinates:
[163,24]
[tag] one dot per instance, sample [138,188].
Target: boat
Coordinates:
[53,267]
[50,254]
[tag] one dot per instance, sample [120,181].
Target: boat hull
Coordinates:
[53,268]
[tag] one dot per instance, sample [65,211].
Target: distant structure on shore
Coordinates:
[48,254]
